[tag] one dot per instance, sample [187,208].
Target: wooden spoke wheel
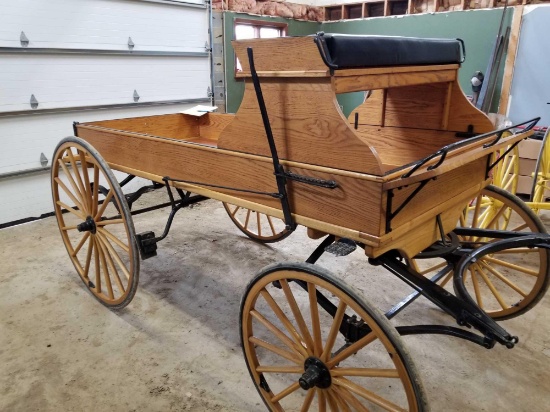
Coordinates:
[508,283]
[97,229]
[299,359]
[256,225]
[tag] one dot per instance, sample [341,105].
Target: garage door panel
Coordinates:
[74,81]
[103,24]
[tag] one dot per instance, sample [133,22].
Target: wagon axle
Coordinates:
[87,226]
[316,374]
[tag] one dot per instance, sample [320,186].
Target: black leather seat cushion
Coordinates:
[347,51]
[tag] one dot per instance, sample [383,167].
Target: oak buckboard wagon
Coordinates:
[396,178]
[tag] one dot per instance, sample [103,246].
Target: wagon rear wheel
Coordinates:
[508,283]
[511,282]
[97,229]
[298,357]
[258,226]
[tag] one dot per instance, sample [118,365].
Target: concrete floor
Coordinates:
[176,346]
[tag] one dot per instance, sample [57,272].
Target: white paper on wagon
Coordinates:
[199,110]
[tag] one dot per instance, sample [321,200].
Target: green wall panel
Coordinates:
[478,29]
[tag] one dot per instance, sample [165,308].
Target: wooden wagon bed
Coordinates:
[415,108]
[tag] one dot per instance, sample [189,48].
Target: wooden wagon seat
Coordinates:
[349,51]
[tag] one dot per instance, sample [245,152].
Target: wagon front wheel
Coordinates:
[311,343]
[258,226]
[96,228]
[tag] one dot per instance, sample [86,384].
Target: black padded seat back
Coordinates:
[340,51]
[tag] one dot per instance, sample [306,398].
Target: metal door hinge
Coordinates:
[23,39]
[131,44]
[34,102]
[209,92]
[136,96]
[43,160]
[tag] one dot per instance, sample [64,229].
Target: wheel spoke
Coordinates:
[503,278]
[298,349]
[331,402]
[275,349]
[235,211]
[67,228]
[285,392]
[109,222]
[73,184]
[115,239]
[475,282]
[315,323]
[95,200]
[97,269]
[80,244]
[308,399]
[368,395]
[512,266]
[493,290]
[334,329]
[365,372]
[104,205]
[247,218]
[340,401]
[283,318]
[297,314]
[115,255]
[350,398]
[322,400]
[259,224]
[105,269]
[88,191]
[279,369]
[111,264]
[75,212]
[69,193]
[271,225]
[88,258]
[351,349]
[79,180]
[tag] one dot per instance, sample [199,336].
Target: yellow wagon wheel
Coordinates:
[541,177]
[256,225]
[298,357]
[509,283]
[506,172]
[97,230]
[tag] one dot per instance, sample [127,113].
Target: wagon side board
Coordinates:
[353,208]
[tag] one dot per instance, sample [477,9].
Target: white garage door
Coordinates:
[65,60]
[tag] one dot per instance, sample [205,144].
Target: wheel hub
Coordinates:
[316,374]
[87,226]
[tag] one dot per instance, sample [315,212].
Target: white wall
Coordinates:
[78,59]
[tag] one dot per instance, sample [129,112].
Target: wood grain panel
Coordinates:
[384,80]
[416,106]
[399,146]
[177,125]
[280,54]
[212,124]
[307,125]
[463,113]
[355,204]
